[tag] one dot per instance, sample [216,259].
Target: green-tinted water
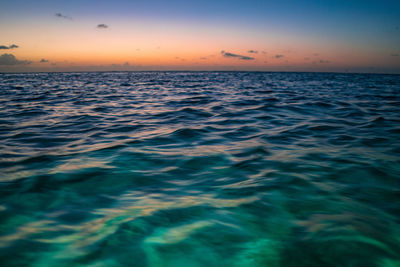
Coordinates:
[199,169]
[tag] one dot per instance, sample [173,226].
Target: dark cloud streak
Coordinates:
[9,47]
[231,55]
[59,15]
[102,26]
[10,60]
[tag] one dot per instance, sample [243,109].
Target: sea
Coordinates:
[187,169]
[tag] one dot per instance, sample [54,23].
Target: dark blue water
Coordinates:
[199,169]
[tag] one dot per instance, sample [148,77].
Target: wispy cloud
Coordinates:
[322,61]
[395,55]
[9,60]
[252,51]
[8,47]
[231,55]
[102,26]
[43,60]
[279,56]
[126,64]
[62,16]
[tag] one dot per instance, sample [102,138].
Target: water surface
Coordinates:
[199,169]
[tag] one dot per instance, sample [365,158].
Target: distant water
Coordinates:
[199,169]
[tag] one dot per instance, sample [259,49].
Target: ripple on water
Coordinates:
[199,169]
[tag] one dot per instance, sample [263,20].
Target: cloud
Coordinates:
[395,55]
[43,60]
[126,64]
[203,58]
[179,58]
[9,60]
[59,15]
[279,56]
[324,61]
[231,55]
[8,47]
[102,26]
[252,51]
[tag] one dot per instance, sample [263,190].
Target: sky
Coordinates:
[252,35]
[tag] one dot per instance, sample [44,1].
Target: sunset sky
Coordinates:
[302,35]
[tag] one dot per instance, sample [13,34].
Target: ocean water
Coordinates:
[199,169]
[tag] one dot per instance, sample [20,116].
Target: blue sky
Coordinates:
[371,27]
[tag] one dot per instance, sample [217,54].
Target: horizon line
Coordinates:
[260,71]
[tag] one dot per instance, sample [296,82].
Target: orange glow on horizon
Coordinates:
[67,46]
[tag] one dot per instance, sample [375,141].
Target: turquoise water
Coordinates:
[199,169]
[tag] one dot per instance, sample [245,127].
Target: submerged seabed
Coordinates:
[199,169]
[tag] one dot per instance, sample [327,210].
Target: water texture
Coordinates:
[199,169]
